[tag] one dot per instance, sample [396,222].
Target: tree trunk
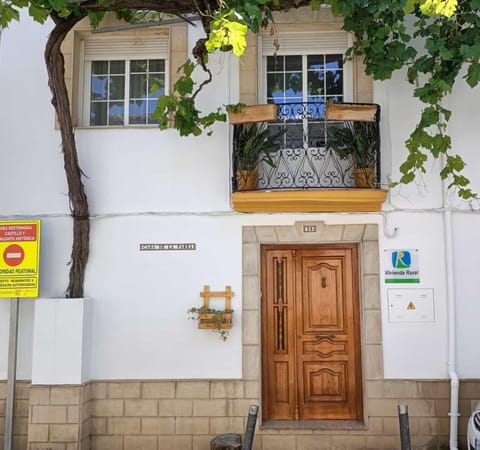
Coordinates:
[76,192]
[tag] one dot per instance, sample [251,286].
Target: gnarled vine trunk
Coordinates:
[76,192]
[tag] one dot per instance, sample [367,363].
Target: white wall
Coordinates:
[31,151]
[153,171]
[140,300]
[147,186]
[417,350]
[414,350]
[467,293]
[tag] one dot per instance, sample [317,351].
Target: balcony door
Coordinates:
[305,73]
[311,364]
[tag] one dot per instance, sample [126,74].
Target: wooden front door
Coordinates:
[311,363]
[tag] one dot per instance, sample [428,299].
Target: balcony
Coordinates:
[306,175]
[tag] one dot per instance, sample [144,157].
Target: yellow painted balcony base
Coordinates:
[321,200]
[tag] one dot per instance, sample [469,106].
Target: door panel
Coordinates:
[310,317]
[324,382]
[278,335]
[321,295]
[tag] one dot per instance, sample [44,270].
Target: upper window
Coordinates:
[122,80]
[304,78]
[301,74]
[124,92]
[305,68]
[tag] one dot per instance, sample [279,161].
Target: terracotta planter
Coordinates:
[254,113]
[247,180]
[364,178]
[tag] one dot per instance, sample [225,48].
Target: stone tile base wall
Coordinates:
[185,415]
[48,417]
[20,426]
[59,418]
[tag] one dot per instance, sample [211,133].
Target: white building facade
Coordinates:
[124,368]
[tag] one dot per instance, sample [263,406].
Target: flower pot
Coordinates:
[217,321]
[254,113]
[345,111]
[247,180]
[364,178]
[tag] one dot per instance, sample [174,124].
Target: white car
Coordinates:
[473,429]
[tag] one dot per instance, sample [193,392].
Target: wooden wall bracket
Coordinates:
[215,319]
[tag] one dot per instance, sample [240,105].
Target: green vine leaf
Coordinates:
[473,74]
[227,33]
[430,116]
[38,13]
[8,13]
[184,85]
[95,18]
[442,7]
[178,109]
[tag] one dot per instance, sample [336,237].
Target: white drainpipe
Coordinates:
[452,365]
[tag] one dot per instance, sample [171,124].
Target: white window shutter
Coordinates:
[315,42]
[131,47]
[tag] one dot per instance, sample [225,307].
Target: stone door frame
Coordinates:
[366,235]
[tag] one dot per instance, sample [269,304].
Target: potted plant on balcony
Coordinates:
[252,144]
[356,141]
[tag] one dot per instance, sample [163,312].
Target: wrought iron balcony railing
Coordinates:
[304,159]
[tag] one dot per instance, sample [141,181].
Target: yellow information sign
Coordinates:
[19,259]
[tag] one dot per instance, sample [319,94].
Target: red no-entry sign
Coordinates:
[13,255]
